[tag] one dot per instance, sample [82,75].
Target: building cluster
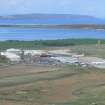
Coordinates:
[52,57]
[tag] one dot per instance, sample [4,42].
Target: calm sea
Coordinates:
[36,34]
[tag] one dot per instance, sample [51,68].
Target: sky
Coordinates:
[84,7]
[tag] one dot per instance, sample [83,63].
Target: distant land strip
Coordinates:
[36,44]
[70,26]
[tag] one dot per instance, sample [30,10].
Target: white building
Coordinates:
[69,60]
[93,61]
[11,56]
[34,52]
[62,52]
[13,50]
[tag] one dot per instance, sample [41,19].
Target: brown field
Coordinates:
[45,85]
[24,69]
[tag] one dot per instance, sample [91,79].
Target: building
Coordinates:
[93,61]
[11,56]
[13,50]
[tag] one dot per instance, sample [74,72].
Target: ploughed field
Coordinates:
[23,84]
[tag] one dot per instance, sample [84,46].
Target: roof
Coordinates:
[13,49]
[92,60]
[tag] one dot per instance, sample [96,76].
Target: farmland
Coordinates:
[28,84]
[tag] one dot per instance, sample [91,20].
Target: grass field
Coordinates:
[54,85]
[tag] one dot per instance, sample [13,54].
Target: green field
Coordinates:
[47,43]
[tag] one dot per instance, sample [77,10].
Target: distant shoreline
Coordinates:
[56,26]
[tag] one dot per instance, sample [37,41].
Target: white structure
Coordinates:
[93,61]
[69,60]
[62,52]
[11,56]
[15,51]
[34,52]
[78,55]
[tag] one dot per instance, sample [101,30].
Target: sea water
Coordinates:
[43,34]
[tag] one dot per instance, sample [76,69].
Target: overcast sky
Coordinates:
[86,7]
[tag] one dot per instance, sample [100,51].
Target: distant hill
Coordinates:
[46,16]
[50,19]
